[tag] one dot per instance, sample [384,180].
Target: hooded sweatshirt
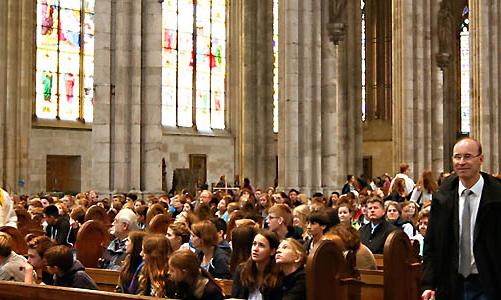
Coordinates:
[76,278]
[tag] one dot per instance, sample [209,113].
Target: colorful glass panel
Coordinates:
[193,68]
[62,80]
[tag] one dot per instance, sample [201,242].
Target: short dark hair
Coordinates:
[220,225]
[59,256]
[51,211]
[319,218]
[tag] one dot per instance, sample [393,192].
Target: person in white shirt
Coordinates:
[405,170]
[8,216]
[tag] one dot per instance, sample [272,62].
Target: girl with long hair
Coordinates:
[212,258]
[424,188]
[291,258]
[128,279]
[190,281]
[259,277]
[154,274]
[242,238]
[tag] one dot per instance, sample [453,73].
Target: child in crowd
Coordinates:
[128,280]
[191,281]
[37,247]
[259,277]
[67,271]
[291,257]
[153,278]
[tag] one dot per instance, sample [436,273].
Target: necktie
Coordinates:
[465,242]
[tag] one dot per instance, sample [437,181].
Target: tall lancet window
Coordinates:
[275,66]
[362,7]
[193,63]
[64,60]
[464,52]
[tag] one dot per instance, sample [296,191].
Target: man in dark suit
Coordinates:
[462,247]
[374,234]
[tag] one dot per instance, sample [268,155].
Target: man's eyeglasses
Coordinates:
[465,157]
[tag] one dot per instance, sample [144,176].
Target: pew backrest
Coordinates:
[106,280]
[402,268]
[92,240]
[18,243]
[22,291]
[325,267]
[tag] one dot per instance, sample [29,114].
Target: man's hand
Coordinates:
[428,295]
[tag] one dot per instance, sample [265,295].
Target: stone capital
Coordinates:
[442,60]
[336,32]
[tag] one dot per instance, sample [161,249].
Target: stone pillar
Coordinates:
[332,137]
[117,123]
[151,82]
[255,135]
[104,85]
[16,72]
[485,19]
[413,72]
[341,93]
[316,98]
[306,119]
[288,140]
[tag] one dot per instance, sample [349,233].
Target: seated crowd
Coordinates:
[258,238]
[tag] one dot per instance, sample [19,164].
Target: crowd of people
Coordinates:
[259,238]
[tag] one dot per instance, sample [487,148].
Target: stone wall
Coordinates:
[219,150]
[45,142]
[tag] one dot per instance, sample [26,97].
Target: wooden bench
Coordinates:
[328,271]
[23,291]
[226,285]
[379,261]
[106,280]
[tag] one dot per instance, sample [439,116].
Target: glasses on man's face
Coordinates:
[465,157]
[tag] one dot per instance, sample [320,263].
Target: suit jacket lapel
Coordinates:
[455,217]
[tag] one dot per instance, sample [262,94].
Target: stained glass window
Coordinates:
[275,66]
[193,63]
[65,59]
[464,50]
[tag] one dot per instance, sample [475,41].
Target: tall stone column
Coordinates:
[341,93]
[117,123]
[104,85]
[485,21]
[255,140]
[151,82]
[413,72]
[288,139]
[16,72]
[307,85]
[333,31]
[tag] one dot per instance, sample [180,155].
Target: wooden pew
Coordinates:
[225,285]
[327,271]
[379,261]
[106,280]
[92,240]
[325,268]
[18,243]
[22,291]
